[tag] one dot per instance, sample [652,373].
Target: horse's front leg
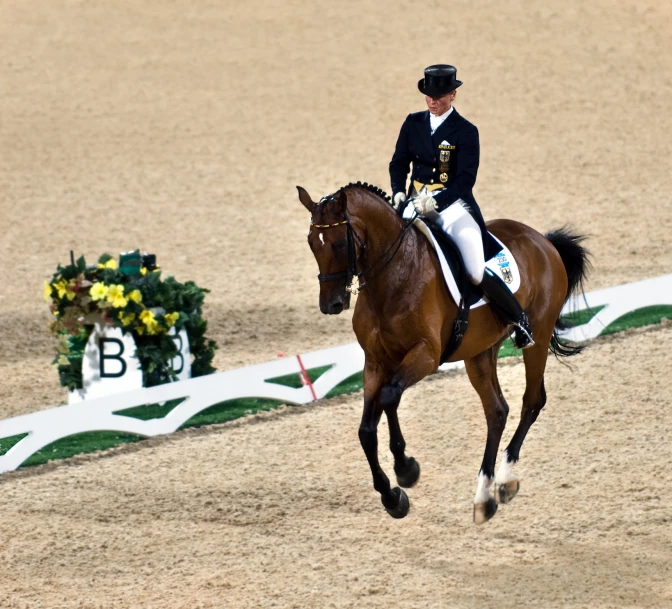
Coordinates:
[407,469]
[384,394]
[482,371]
[394,500]
[420,361]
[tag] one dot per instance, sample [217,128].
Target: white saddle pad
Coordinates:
[502,264]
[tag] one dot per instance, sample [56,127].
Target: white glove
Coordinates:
[398,199]
[424,204]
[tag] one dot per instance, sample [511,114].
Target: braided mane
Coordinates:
[370,187]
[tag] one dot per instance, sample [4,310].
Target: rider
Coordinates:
[444,151]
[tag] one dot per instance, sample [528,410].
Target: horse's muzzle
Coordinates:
[337,304]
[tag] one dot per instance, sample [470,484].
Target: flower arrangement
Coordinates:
[132,296]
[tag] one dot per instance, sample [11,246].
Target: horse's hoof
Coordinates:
[398,505]
[410,474]
[504,493]
[484,511]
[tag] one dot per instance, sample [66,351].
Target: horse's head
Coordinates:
[335,249]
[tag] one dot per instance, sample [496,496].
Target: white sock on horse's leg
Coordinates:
[505,471]
[483,485]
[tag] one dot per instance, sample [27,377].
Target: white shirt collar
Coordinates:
[436,121]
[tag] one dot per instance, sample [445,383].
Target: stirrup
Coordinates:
[522,338]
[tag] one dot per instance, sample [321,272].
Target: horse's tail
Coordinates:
[575,257]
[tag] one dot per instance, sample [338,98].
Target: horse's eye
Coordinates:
[340,245]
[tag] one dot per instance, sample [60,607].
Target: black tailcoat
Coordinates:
[416,146]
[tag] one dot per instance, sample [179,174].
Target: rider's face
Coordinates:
[439,105]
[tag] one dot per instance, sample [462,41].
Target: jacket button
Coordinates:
[433,169]
[431,181]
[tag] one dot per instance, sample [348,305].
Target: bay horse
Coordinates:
[404,317]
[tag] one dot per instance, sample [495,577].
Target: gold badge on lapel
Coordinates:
[444,156]
[443,177]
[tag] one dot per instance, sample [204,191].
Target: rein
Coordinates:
[350,272]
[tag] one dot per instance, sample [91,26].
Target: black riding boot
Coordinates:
[507,307]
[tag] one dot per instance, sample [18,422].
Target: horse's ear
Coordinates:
[304,197]
[342,201]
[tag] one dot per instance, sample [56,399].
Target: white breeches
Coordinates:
[458,224]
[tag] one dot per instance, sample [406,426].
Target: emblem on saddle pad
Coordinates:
[504,267]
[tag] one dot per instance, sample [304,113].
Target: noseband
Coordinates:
[352,237]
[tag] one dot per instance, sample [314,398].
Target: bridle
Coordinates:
[350,272]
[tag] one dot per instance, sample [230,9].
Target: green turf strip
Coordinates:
[578,318]
[639,318]
[81,443]
[7,443]
[294,380]
[146,412]
[350,385]
[233,409]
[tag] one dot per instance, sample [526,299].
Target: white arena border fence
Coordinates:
[47,426]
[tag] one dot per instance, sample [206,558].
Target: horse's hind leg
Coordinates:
[506,483]
[482,371]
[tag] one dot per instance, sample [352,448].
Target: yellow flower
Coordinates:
[63,361]
[61,286]
[143,271]
[171,318]
[69,292]
[110,264]
[147,318]
[98,291]
[115,296]
[135,296]
[126,320]
[47,291]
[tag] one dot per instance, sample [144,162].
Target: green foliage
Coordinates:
[68,360]
[136,299]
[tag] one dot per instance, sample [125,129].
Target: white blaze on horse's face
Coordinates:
[322,238]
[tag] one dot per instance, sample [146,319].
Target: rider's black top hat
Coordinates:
[439,80]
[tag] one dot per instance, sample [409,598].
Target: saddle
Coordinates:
[465,294]
[470,293]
